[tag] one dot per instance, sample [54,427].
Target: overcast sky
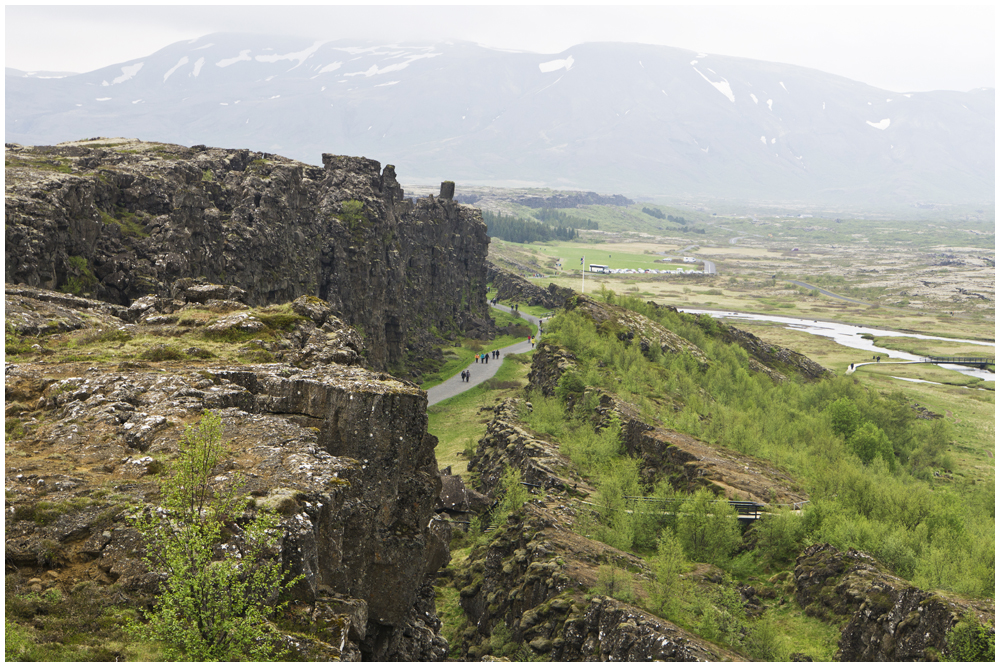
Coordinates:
[898,47]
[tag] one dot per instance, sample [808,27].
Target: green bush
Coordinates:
[667,588]
[211,608]
[515,495]
[869,441]
[708,528]
[971,641]
[780,536]
[615,582]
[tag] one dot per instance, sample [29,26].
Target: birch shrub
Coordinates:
[218,558]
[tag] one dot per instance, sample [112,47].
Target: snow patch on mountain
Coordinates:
[300,56]
[722,86]
[226,62]
[783,85]
[554,65]
[197,67]
[391,83]
[182,61]
[128,71]
[375,69]
[881,125]
[769,103]
[331,67]
[754,98]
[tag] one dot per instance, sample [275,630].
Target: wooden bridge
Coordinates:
[747,511]
[978,362]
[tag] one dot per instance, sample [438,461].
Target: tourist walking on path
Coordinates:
[455,385]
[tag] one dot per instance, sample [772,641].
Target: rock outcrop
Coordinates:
[529,582]
[507,443]
[341,452]
[773,359]
[119,220]
[888,619]
[629,325]
[513,287]
[688,463]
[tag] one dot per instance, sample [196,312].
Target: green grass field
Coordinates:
[458,422]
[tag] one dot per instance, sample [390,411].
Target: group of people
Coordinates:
[876,358]
[484,358]
[466,375]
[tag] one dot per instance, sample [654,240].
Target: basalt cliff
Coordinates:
[147,284]
[118,220]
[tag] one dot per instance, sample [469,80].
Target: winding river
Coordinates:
[849,335]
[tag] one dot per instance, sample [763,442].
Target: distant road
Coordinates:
[454,386]
[709,266]
[826,292]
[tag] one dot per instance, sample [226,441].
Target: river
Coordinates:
[849,335]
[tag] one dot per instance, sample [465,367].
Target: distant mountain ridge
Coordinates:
[640,120]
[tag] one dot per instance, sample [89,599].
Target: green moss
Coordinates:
[83,279]
[60,165]
[14,429]
[128,222]
[163,352]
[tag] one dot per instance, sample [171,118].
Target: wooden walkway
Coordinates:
[978,362]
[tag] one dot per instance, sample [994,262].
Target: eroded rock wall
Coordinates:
[341,452]
[120,221]
[887,618]
[524,292]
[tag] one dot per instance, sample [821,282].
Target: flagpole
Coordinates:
[582,275]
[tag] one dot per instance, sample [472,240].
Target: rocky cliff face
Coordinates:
[529,582]
[341,452]
[511,286]
[887,618]
[665,453]
[119,220]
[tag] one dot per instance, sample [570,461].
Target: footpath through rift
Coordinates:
[480,373]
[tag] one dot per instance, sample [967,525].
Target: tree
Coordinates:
[666,589]
[219,560]
[514,496]
[869,441]
[844,417]
[708,528]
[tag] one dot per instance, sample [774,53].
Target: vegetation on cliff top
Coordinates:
[868,459]
[868,475]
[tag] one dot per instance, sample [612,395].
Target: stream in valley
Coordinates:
[849,335]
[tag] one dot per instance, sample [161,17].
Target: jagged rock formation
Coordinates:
[119,220]
[342,453]
[888,619]
[690,464]
[512,286]
[665,453]
[533,575]
[507,443]
[771,359]
[625,324]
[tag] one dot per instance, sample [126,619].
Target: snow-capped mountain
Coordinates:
[635,119]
